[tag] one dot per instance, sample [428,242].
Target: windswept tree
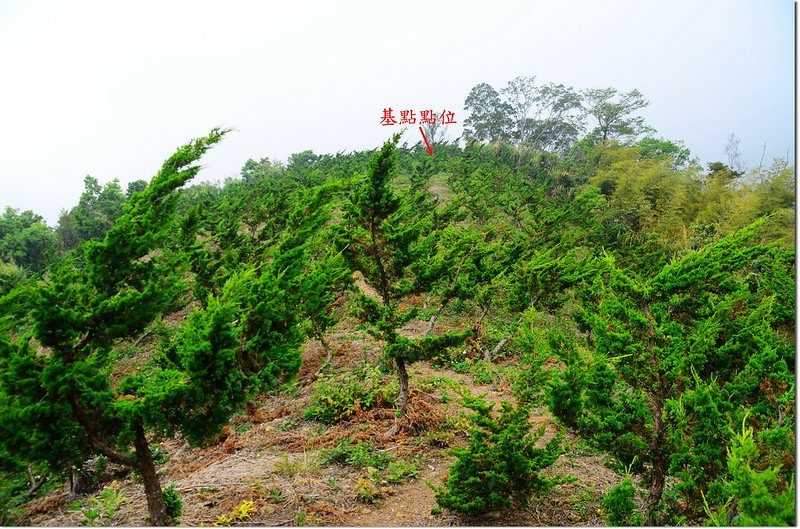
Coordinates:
[678,358]
[63,406]
[381,236]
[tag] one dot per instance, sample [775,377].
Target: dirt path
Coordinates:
[410,505]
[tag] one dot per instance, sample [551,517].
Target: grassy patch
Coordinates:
[308,463]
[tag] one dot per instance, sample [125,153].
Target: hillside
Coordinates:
[567,331]
[272,457]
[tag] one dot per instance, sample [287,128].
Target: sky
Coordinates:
[111,89]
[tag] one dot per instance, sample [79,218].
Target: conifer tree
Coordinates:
[295,281]
[500,463]
[64,403]
[677,358]
[382,236]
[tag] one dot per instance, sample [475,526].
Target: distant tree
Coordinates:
[545,117]
[489,119]
[558,120]
[25,240]
[135,187]
[615,112]
[521,95]
[97,209]
[542,117]
[262,199]
[436,134]
[723,172]
[301,168]
[648,195]
[651,147]
[734,156]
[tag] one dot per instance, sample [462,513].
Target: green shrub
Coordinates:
[500,463]
[359,455]
[13,493]
[335,398]
[159,455]
[619,507]
[173,503]
[366,490]
[102,509]
[401,470]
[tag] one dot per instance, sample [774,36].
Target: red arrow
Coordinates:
[430,151]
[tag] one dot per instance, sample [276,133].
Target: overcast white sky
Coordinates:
[110,89]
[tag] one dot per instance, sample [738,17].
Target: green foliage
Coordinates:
[499,464]
[173,503]
[276,495]
[26,243]
[400,470]
[99,207]
[382,236]
[360,455]
[619,507]
[676,357]
[199,386]
[755,495]
[60,407]
[611,274]
[13,494]
[366,490]
[102,509]
[336,397]
[539,344]
[159,455]
[382,468]
[660,148]
[308,463]
[615,111]
[489,118]
[10,277]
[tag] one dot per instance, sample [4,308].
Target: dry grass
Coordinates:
[306,464]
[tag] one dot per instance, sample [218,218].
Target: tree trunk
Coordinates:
[431,323]
[656,405]
[657,488]
[402,375]
[320,335]
[152,487]
[489,355]
[80,482]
